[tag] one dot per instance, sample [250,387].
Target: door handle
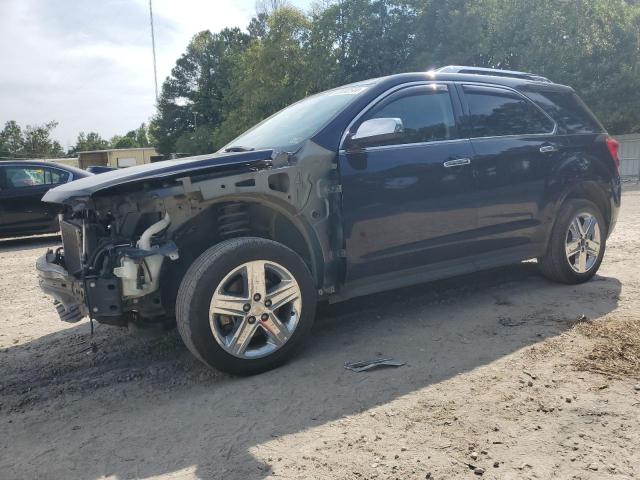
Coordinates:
[458,162]
[548,149]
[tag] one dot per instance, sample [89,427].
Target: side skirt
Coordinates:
[436,271]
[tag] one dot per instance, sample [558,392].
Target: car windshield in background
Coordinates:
[288,128]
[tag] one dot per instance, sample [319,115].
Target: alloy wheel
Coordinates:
[255,309]
[583,242]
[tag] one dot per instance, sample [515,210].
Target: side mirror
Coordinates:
[376,130]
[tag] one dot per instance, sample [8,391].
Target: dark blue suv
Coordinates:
[367,187]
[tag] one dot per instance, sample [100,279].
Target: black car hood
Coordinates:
[85,187]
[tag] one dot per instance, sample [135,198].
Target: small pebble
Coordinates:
[637,387]
[474,455]
[568,400]
[479,471]
[593,466]
[496,464]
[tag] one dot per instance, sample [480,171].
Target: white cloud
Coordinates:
[88,65]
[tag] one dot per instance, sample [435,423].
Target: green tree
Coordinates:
[201,140]
[592,45]
[87,142]
[228,81]
[193,94]
[11,140]
[359,39]
[270,74]
[37,141]
[128,140]
[142,136]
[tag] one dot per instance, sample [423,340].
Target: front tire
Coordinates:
[577,243]
[245,305]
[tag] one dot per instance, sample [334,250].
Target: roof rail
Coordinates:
[492,71]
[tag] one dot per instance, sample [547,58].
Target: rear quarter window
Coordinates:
[568,110]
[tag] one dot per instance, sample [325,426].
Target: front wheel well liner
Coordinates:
[264,220]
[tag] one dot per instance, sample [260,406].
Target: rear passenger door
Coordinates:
[515,148]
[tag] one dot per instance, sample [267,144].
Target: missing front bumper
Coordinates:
[67,292]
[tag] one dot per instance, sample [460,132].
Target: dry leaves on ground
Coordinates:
[616,350]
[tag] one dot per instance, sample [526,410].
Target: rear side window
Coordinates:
[569,111]
[495,112]
[425,111]
[55,177]
[21,177]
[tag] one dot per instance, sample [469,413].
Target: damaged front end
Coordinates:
[129,236]
[102,275]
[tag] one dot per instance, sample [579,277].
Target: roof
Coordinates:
[507,78]
[43,163]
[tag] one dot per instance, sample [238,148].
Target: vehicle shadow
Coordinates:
[142,407]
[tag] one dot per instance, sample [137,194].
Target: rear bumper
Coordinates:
[616,201]
[67,291]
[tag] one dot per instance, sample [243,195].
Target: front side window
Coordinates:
[22,177]
[425,111]
[495,112]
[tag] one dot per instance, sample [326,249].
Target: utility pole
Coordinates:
[153,46]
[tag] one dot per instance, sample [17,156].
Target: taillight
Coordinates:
[614,146]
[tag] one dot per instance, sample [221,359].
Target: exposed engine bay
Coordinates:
[126,248]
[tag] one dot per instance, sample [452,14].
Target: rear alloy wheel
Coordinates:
[583,242]
[245,305]
[577,243]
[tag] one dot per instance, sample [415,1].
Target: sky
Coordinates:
[88,63]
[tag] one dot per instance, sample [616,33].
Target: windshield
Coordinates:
[288,128]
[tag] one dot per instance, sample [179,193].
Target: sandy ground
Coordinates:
[490,381]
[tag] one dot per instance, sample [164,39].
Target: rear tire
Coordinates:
[235,322]
[570,235]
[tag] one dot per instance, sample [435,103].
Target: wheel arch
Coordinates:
[591,190]
[246,216]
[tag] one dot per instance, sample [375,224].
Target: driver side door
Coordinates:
[409,201]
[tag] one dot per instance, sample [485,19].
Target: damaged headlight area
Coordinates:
[101,273]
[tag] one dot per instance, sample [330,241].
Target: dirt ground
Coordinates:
[499,377]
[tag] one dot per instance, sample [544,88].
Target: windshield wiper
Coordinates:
[238,148]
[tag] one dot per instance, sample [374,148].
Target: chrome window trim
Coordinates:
[407,145]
